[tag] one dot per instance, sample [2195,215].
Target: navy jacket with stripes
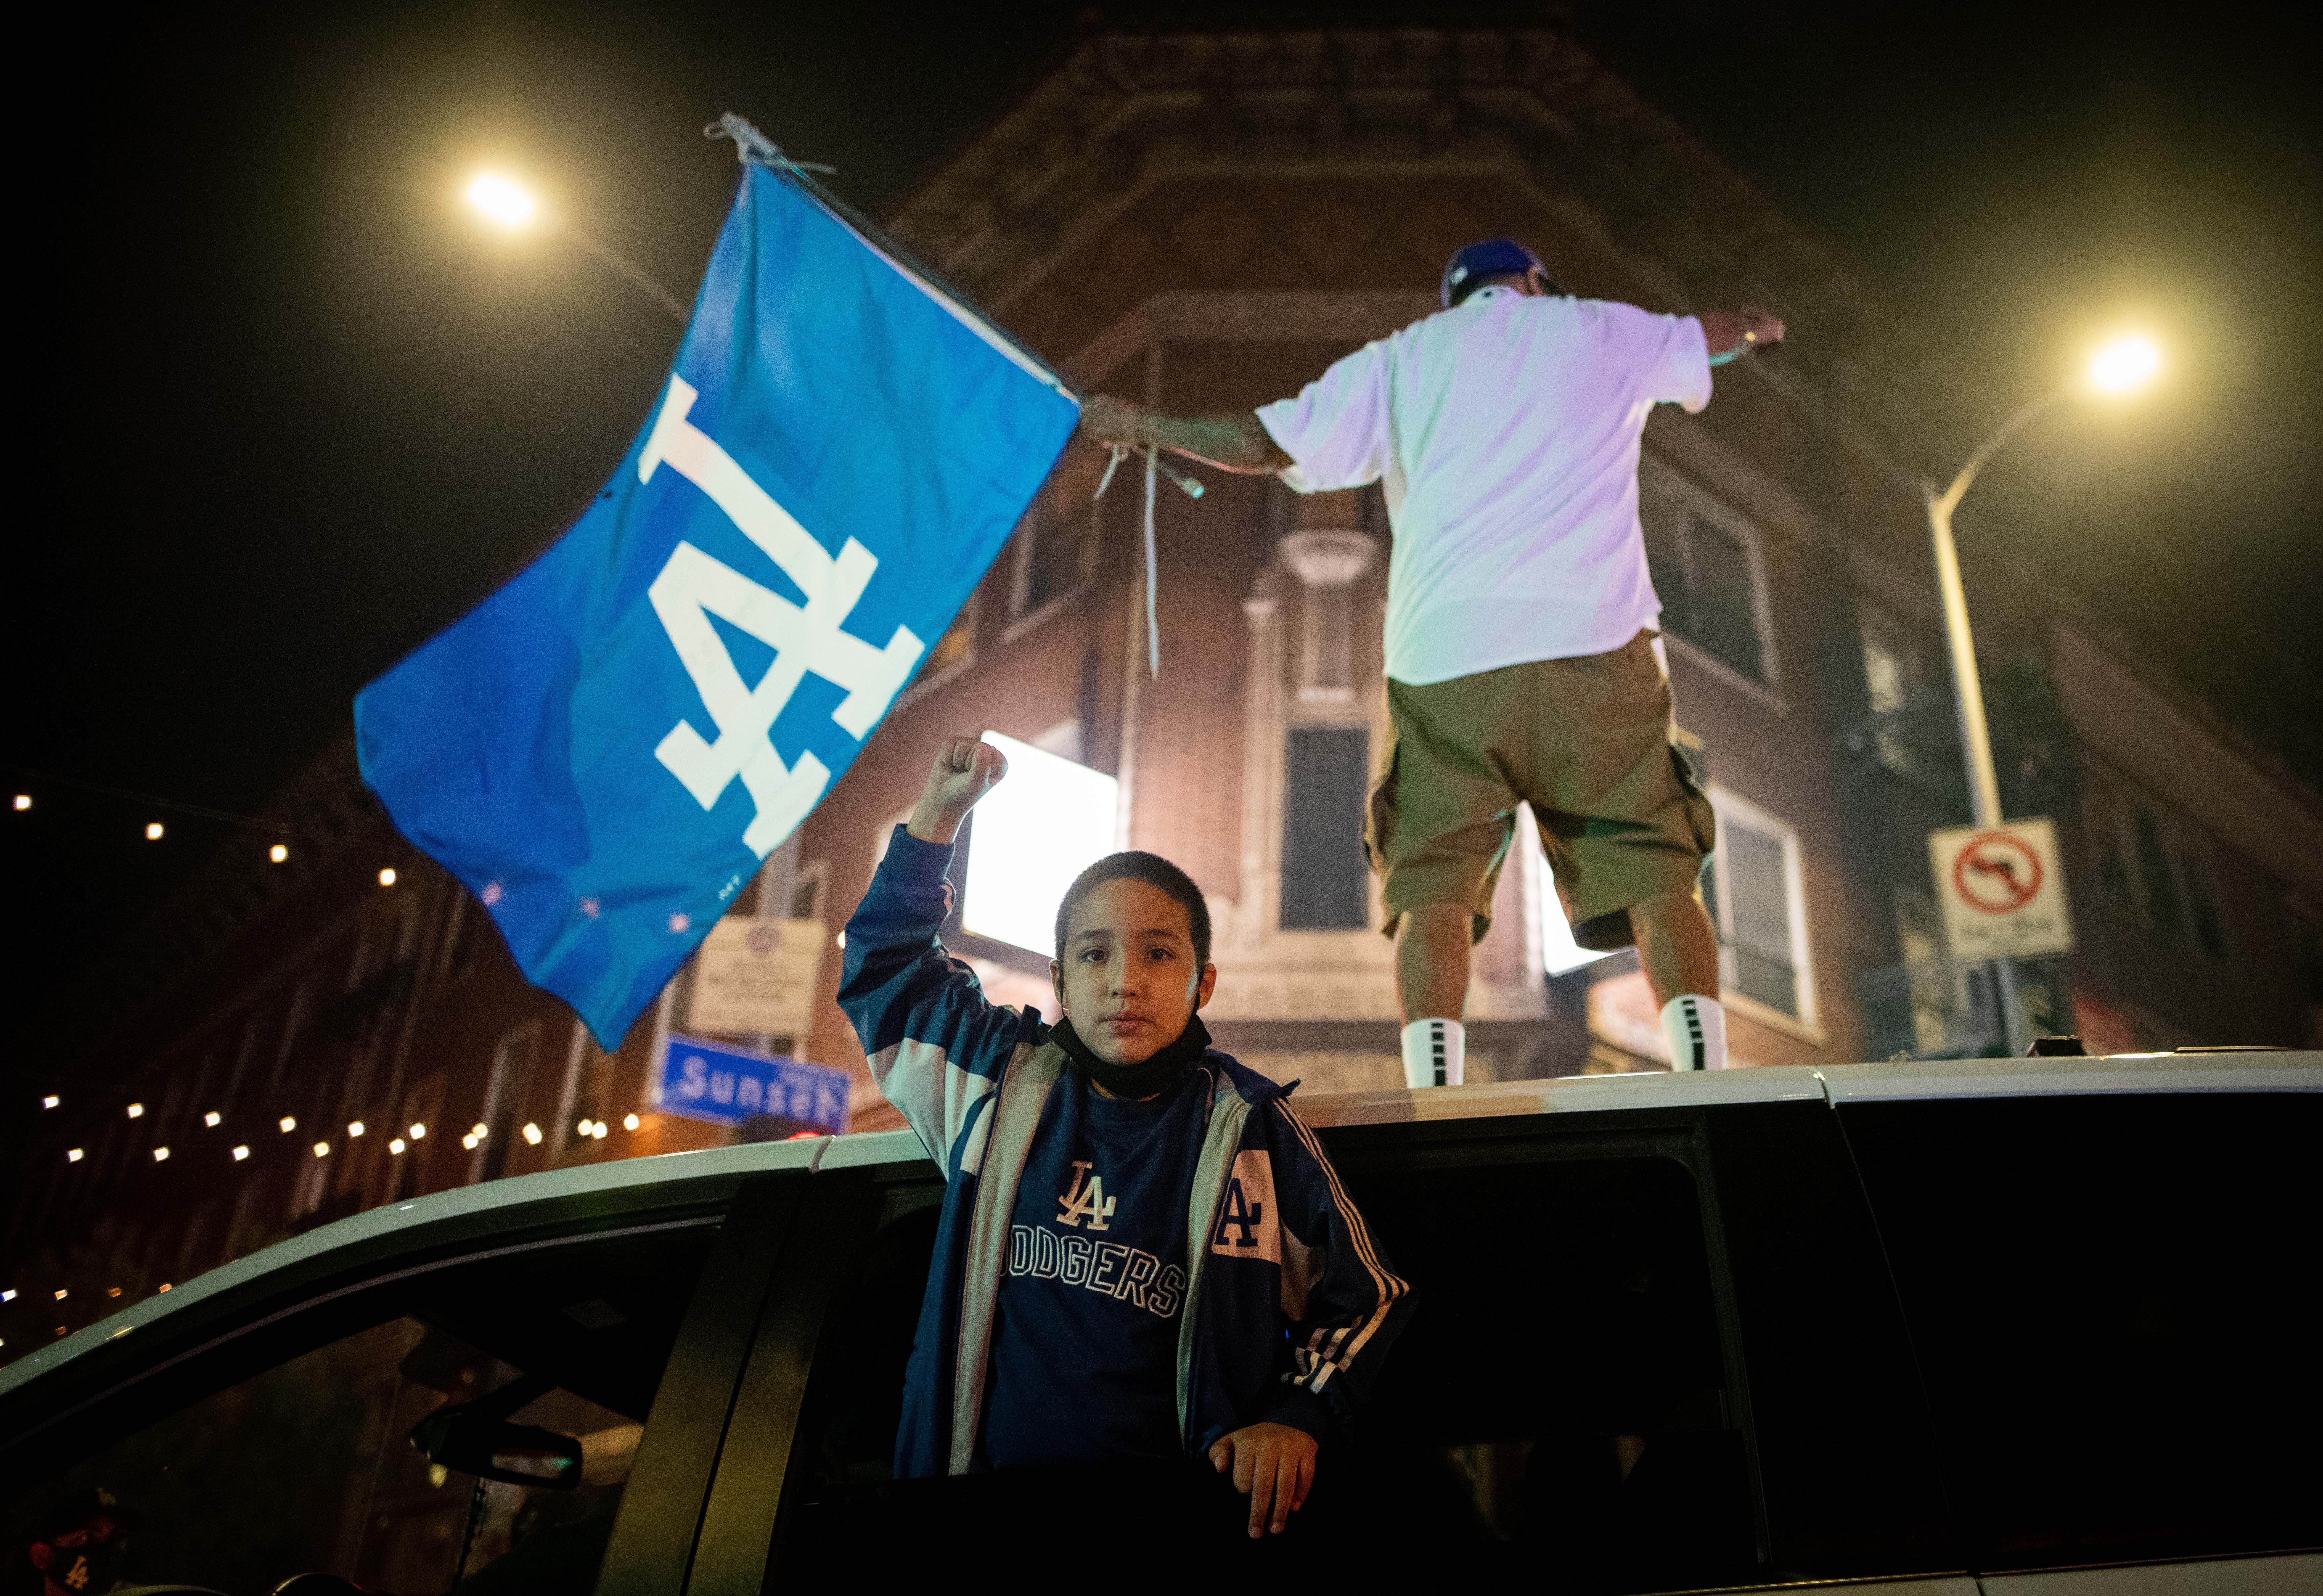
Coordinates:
[1291,1307]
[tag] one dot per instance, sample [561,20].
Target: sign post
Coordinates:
[2003,892]
[733,1087]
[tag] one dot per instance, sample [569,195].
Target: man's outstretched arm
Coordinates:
[1233,440]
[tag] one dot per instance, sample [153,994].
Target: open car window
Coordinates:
[1558,1410]
[307,1465]
[308,1468]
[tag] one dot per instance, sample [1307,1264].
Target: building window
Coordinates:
[1893,688]
[506,1096]
[2154,876]
[2104,807]
[1056,543]
[806,890]
[1056,560]
[1324,878]
[949,652]
[1756,892]
[2161,865]
[1056,555]
[2201,896]
[1711,575]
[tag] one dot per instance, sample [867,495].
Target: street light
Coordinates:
[2121,367]
[502,200]
[2125,365]
[513,206]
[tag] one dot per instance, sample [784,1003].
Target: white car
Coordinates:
[2042,1328]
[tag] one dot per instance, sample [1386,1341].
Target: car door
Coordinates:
[1845,1451]
[2111,1293]
[254,1424]
[1573,1401]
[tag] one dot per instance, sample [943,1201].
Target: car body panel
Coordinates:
[714,1473]
[2300,1575]
[729,1166]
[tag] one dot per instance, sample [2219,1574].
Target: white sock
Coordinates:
[1433,1052]
[1695,1029]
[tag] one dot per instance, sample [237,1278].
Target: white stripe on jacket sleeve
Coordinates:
[935,1097]
[1386,1285]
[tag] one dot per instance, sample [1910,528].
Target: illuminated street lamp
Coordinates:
[502,200]
[2121,367]
[514,206]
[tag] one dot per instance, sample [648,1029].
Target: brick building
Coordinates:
[1204,221]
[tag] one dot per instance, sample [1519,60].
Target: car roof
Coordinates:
[2249,1071]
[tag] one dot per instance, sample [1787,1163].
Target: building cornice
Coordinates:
[1128,110]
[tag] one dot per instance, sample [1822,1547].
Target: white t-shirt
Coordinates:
[1507,432]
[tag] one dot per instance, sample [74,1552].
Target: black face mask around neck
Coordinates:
[1135,1080]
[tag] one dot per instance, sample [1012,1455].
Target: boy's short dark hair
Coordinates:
[1154,870]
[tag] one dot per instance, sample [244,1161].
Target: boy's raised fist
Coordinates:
[965,770]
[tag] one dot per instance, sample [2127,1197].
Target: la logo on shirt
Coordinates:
[1084,1198]
[1110,1269]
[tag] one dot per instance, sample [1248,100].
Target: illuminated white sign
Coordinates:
[1050,821]
[1559,953]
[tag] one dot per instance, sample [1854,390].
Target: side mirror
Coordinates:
[477,1438]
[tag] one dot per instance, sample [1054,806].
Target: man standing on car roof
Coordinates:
[1523,658]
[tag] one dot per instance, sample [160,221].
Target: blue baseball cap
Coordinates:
[1488,259]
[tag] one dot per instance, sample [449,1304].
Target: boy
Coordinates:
[1133,1220]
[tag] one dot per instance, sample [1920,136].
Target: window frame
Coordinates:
[509,1083]
[1679,1134]
[814,873]
[1731,807]
[968,615]
[1666,492]
[2112,808]
[1290,733]
[1022,619]
[1888,730]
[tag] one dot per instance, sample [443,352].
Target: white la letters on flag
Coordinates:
[692,586]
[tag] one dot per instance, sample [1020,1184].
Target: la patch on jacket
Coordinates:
[605,748]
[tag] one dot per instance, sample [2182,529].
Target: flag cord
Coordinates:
[1192,488]
[1152,632]
[754,146]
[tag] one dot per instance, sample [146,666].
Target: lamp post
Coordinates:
[513,206]
[2119,368]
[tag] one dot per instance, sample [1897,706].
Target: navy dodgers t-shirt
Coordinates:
[1085,1344]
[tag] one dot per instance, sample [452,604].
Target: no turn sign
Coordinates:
[2002,889]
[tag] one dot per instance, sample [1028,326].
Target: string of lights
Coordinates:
[587,1129]
[24,796]
[592,1129]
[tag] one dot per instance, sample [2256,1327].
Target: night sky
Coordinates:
[305,411]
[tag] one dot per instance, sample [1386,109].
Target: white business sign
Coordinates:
[756,978]
[1047,822]
[2002,889]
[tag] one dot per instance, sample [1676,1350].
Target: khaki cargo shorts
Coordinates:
[1586,742]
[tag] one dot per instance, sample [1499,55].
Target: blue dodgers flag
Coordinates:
[605,748]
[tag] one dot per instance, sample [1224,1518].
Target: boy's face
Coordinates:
[1129,977]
